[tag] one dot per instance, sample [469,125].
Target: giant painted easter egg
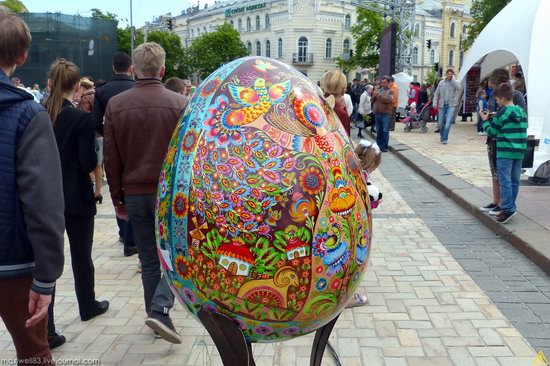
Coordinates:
[263,213]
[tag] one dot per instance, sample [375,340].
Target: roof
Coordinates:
[240,252]
[294,243]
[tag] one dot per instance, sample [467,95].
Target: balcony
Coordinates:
[302,58]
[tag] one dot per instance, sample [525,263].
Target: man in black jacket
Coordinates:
[31,204]
[122,81]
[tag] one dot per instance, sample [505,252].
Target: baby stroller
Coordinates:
[415,119]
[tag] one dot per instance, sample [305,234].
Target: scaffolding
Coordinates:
[401,12]
[88,42]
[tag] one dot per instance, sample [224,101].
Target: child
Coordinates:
[481,106]
[509,128]
[370,156]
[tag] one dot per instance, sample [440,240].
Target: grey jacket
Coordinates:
[447,93]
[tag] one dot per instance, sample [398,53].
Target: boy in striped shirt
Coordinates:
[509,127]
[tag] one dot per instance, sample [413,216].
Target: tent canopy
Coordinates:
[520,33]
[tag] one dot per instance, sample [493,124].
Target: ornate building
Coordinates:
[307,34]
[442,26]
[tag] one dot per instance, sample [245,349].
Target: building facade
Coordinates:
[441,25]
[307,34]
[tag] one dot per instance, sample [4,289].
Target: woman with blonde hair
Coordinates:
[333,85]
[74,133]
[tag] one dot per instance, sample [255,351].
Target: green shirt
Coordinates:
[509,127]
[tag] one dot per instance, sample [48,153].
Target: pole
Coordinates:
[131,28]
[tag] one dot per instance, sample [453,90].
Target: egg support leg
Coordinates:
[235,350]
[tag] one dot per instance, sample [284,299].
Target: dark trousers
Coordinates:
[31,344]
[157,293]
[125,231]
[393,117]
[80,231]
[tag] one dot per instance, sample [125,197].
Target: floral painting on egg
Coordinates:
[262,211]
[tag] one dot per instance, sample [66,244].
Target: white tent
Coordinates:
[520,33]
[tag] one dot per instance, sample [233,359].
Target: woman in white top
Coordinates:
[365,108]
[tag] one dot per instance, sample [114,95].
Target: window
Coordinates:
[417,30]
[267,48]
[451,57]
[232,23]
[464,29]
[302,49]
[249,47]
[460,58]
[452,30]
[248,24]
[280,48]
[192,34]
[347,21]
[257,22]
[432,56]
[328,48]
[198,32]
[258,48]
[415,56]
[346,47]
[240,25]
[267,21]
[204,29]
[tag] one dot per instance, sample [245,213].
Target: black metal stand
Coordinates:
[236,351]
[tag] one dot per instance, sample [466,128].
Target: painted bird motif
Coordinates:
[256,101]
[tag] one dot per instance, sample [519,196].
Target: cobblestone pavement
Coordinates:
[465,156]
[424,308]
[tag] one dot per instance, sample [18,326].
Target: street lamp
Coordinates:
[131,29]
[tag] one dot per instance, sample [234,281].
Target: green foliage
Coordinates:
[16,6]
[432,77]
[214,49]
[483,11]
[366,33]
[99,14]
[177,58]
[124,41]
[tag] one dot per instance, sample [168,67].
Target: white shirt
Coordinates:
[349,104]
[365,107]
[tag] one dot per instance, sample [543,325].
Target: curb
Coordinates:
[524,234]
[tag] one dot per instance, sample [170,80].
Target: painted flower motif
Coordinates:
[210,87]
[311,180]
[182,267]
[189,296]
[323,222]
[341,200]
[161,230]
[210,308]
[319,248]
[180,205]
[189,141]
[263,330]
[302,209]
[240,323]
[336,284]
[288,332]
[219,132]
[163,188]
[321,284]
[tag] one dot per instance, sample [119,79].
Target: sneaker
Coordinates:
[162,324]
[489,207]
[505,216]
[495,211]
[56,340]
[130,251]
[444,142]
[437,130]
[480,133]
[357,300]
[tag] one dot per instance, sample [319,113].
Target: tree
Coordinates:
[366,33]
[16,6]
[483,11]
[177,58]
[214,49]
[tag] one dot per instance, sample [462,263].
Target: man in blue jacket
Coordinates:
[31,203]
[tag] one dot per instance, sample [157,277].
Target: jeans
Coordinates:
[509,172]
[382,122]
[125,231]
[157,293]
[445,118]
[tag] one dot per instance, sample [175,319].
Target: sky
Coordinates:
[143,10]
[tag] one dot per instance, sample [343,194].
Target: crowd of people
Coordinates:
[53,156]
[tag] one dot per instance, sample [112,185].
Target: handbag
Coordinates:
[529,156]
[360,123]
